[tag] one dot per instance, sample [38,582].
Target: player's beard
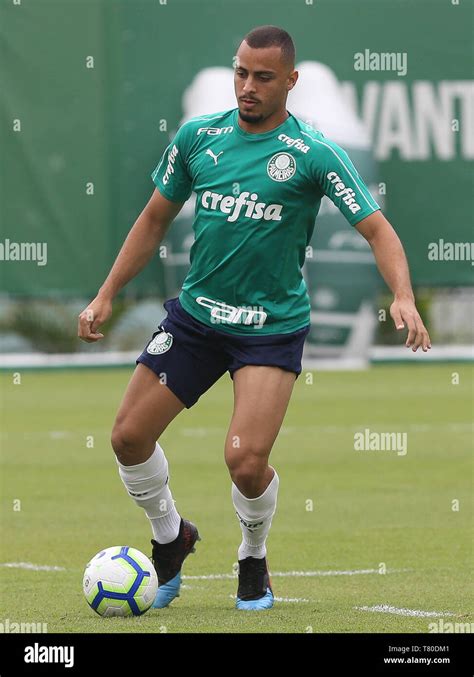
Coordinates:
[251,119]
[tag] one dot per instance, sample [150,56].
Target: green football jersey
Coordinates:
[257,197]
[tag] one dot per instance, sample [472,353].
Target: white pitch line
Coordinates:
[298,574]
[208,577]
[385,609]
[441,426]
[32,567]
[211,577]
[353,572]
[59,434]
[290,599]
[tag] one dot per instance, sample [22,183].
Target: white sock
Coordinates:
[147,484]
[255,516]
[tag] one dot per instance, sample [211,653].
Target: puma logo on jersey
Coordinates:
[214,157]
[228,204]
[347,194]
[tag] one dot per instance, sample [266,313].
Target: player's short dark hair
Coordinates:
[272,36]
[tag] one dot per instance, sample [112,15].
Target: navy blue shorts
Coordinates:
[192,356]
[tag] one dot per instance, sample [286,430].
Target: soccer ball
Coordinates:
[120,581]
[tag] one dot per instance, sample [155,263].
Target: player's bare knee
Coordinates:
[247,470]
[126,443]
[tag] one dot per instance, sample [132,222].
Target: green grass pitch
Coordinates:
[339,510]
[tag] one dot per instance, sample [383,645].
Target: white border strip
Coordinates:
[396,353]
[117,358]
[114,358]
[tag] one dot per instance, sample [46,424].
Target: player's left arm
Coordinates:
[393,266]
[339,179]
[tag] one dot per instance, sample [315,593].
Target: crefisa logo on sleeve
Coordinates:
[170,167]
[346,194]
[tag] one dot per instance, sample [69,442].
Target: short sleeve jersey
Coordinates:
[257,198]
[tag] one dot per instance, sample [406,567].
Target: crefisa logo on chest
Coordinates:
[281,167]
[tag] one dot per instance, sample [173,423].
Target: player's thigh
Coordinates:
[261,397]
[147,408]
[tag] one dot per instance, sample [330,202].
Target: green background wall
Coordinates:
[101,124]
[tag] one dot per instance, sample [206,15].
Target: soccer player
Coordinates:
[259,174]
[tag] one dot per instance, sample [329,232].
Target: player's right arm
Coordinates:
[140,245]
[173,187]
